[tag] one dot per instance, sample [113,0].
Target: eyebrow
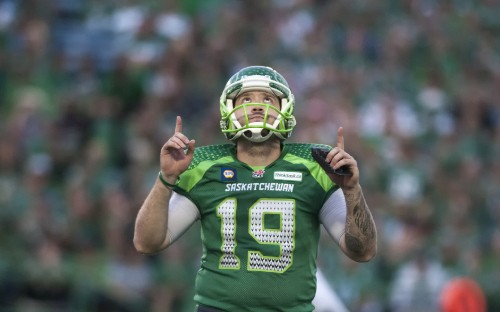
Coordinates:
[265,92]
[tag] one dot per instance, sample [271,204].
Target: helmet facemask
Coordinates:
[276,121]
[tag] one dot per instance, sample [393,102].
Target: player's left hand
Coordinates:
[337,158]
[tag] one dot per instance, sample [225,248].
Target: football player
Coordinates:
[260,202]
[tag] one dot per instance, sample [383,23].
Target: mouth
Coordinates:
[256,118]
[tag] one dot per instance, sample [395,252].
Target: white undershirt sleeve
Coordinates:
[333,214]
[182,213]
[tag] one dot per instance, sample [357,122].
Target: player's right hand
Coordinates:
[173,158]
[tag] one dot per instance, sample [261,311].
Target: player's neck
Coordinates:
[258,154]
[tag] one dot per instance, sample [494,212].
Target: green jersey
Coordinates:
[259,226]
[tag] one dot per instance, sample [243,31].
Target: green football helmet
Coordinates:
[257,78]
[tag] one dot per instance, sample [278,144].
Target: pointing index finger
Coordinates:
[178,124]
[340,138]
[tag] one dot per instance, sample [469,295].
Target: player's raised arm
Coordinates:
[150,233]
[360,239]
[173,159]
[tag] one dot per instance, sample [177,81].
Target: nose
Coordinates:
[257,108]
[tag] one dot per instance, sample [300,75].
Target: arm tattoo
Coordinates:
[360,235]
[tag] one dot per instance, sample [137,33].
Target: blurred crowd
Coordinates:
[89,91]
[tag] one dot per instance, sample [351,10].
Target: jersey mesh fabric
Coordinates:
[260,254]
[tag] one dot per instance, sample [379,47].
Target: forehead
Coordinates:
[257,93]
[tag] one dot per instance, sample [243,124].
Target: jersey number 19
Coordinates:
[284,236]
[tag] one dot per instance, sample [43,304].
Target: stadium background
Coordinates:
[89,91]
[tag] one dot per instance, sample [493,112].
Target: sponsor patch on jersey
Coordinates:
[258,173]
[227,174]
[288,176]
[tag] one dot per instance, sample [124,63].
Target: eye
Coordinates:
[246,99]
[268,99]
